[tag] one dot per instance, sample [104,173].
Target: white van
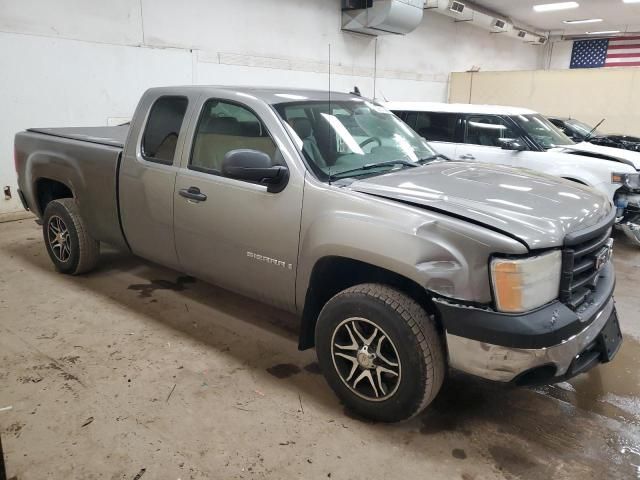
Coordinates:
[523,138]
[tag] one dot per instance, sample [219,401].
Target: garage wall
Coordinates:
[86,62]
[587,94]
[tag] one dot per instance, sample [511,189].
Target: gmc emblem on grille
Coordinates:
[604,255]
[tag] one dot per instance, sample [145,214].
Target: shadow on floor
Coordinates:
[523,433]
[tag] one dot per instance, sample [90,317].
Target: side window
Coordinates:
[295,112]
[407,117]
[411,118]
[226,126]
[437,127]
[562,126]
[163,127]
[488,130]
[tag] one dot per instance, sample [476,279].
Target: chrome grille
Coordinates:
[580,266]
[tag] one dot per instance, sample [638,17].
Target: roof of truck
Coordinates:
[271,95]
[457,108]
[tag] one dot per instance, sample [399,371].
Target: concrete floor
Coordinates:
[131,373]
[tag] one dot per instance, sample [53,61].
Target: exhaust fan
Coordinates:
[456,7]
[498,24]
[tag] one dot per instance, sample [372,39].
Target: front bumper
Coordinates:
[628,214]
[545,346]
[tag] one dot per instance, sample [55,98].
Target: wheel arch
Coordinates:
[571,179]
[47,189]
[332,274]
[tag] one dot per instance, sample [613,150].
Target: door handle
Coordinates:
[193,193]
[467,156]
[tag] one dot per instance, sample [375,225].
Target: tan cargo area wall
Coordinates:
[587,94]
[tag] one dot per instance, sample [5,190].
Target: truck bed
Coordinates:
[111,136]
[85,160]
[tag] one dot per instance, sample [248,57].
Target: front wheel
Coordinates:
[380,352]
[69,245]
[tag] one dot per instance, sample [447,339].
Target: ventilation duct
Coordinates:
[381,17]
[470,12]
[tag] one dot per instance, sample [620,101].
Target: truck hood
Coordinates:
[539,210]
[620,137]
[606,153]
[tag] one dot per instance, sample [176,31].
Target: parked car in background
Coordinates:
[399,263]
[581,132]
[523,138]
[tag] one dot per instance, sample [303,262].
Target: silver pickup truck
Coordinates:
[399,262]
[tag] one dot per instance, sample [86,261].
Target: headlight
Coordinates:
[630,180]
[520,285]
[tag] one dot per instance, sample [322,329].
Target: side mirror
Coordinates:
[514,145]
[255,166]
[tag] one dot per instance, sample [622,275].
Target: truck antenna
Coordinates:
[329,129]
[375,66]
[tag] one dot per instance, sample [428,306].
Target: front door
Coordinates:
[230,232]
[483,138]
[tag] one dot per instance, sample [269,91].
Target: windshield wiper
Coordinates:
[370,166]
[431,158]
[593,130]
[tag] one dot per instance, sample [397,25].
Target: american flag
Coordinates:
[608,52]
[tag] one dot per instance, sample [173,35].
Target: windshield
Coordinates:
[352,135]
[545,133]
[582,128]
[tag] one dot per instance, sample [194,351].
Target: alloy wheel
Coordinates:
[366,359]
[59,239]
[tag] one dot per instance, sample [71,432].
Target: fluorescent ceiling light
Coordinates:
[551,7]
[631,1]
[588,20]
[604,32]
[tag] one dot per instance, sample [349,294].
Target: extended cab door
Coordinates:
[148,173]
[231,232]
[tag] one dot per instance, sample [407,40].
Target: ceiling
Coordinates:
[616,15]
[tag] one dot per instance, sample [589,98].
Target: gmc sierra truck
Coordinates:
[399,262]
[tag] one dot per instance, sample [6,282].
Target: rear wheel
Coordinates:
[380,352]
[69,246]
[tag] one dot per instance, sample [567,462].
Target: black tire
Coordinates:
[80,252]
[412,335]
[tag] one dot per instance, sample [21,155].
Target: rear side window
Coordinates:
[226,126]
[163,127]
[407,117]
[437,127]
